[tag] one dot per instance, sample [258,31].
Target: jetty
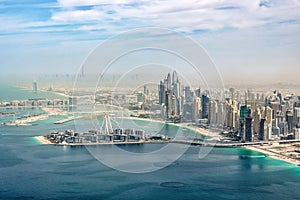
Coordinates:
[62,121]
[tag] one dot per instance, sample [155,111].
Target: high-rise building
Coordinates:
[256,121]
[213,111]
[290,121]
[188,111]
[175,78]
[205,106]
[169,92]
[221,114]
[230,120]
[268,115]
[188,94]
[245,112]
[296,114]
[140,97]
[275,107]
[169,82]
[168,103]
[146,90]
[262,130]
[269,131]
[248,130]
[197,108]
[297,132]
[161,93]
[174,110]
[35,86]
[283,128]
[198,92]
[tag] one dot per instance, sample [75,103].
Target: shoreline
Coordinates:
[42,90]
[273,155]
[266,150]
[201,131]
[42,140]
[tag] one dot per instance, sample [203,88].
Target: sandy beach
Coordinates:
[42,139]
[274,151]
[43,90]
[201,131]
[276,155]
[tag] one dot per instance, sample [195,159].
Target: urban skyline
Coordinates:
[150,99]
[249,117]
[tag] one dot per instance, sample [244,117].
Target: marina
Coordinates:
[26,120]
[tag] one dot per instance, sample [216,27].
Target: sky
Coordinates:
[248,40]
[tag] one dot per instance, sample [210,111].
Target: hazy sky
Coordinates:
[249,40]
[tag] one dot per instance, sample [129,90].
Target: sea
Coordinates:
[31,170]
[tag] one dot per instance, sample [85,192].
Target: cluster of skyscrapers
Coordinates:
[181,103]
[267,118]
[251,117]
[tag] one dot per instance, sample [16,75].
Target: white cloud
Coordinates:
[188,15]
[75,3]
[78,15]
[240,33]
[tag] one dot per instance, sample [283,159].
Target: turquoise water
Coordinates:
[29,170]
[9,93]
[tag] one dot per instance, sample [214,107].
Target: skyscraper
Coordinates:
[175,78]
[161,93]
[262,130]
[205,106]
[245,112]
[169,82]
[198,92]
[168,103]
[290,121]
[256,121]
[35,86]
[213,111]
[248,130]
[197,108]
[140,97]
[188,94]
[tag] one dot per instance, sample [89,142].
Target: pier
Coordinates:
[62,121]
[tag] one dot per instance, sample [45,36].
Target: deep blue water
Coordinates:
[33,171]
[29,170]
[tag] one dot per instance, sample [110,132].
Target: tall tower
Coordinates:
[262,130]
[205,106]
[245,112]
[174,77]
[248,129]
[256,121]
[35,86]
[169,81]
[161,93]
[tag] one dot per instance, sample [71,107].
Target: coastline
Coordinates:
[266,150]
[273,155]
[42,90]
[201,131]
[42,140]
